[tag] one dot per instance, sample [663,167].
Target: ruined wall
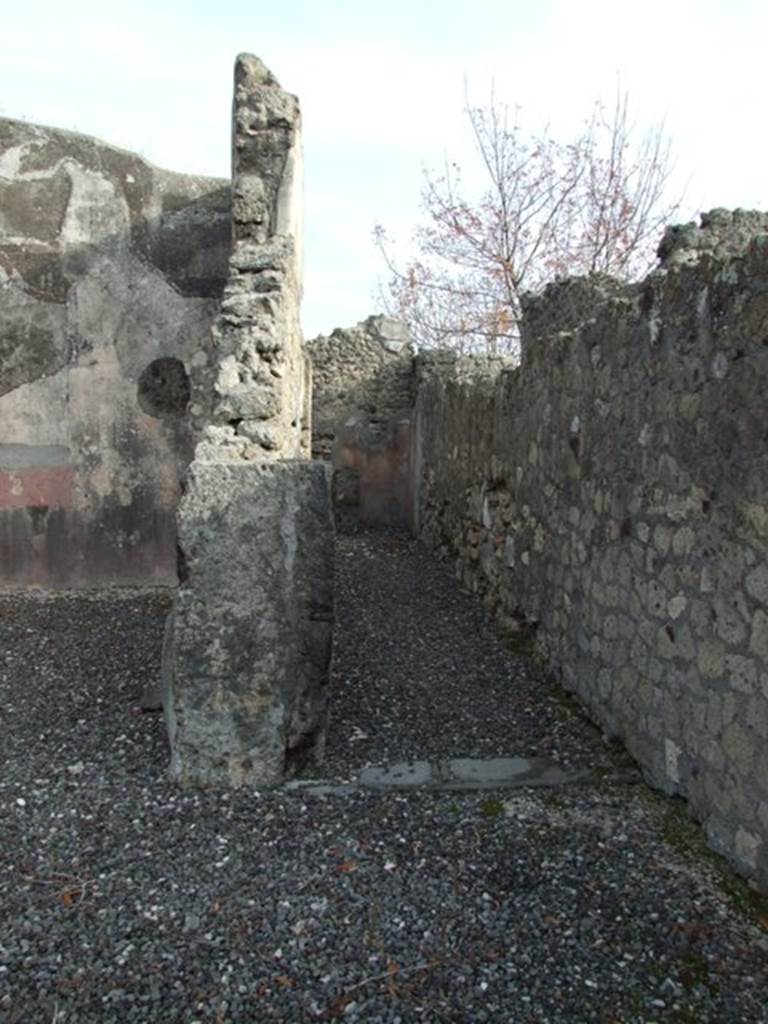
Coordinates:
[110,275]
[612,493]
[363,394]
[262,377]
[248,645]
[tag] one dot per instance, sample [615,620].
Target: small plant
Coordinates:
[684,835]
[492,807]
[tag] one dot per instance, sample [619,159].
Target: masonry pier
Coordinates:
[248,645]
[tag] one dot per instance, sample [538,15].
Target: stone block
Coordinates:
[758,641]
[247,654]
[747,848]
[711,658]
[757,583]
[729,625]
[741,673]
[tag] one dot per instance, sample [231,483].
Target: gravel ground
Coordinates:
[422,672]
[125,899]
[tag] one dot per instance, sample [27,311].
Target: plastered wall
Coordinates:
[110,275]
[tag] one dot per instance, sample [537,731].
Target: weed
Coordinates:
[686,836]
[492,807]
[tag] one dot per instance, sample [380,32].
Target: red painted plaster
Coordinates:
[36,488]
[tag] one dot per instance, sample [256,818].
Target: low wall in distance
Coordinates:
[363,393]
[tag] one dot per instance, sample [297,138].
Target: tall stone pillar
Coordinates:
[248,643]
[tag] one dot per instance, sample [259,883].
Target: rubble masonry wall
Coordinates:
[363,394]
[246,660]
[612,494]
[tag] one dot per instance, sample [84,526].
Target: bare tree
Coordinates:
[548,209]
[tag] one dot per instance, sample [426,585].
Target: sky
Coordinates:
[382,88]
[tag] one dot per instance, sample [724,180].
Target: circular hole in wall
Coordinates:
[164,388]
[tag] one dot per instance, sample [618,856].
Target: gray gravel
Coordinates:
[423,673]
[125,899]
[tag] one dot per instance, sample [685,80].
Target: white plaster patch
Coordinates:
[720,366]
[289,212]
[487,520]
[10,162]
[575,425]
[228,378]
[701,303]
[671,759]
[509,552]
[676,606]
[654,328]
[95,213]
[10,165]
[38,412]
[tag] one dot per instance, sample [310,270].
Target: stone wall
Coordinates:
[611,495]
[363,394]
[110,275]
[262,378]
